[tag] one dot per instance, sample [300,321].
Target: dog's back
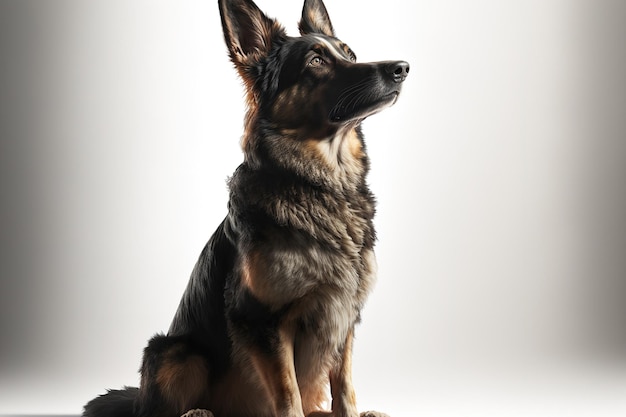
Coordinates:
[268,317]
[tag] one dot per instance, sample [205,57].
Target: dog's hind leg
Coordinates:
[174,378]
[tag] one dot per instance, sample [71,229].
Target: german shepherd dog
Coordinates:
[266,323]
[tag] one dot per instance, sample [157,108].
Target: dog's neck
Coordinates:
[344,155]
[338,161]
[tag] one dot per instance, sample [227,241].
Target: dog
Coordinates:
[266,324]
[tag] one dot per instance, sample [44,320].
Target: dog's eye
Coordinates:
[317,61]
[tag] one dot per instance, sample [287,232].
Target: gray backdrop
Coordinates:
[500,176]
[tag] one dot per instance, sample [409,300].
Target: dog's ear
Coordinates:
[315,19]
[248,32]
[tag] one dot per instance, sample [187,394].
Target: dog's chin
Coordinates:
[346,115]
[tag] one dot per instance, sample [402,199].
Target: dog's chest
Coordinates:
[316,248]
[305,248]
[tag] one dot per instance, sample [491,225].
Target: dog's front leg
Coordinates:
[276,369]
[342,390]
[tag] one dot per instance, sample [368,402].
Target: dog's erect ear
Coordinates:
[248,32]
[315,19]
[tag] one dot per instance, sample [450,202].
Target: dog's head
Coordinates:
[309,87]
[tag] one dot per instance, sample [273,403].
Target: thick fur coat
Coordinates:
[266,324]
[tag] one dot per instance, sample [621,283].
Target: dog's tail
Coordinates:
[115,403]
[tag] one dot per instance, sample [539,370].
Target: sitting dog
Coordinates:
[266,323]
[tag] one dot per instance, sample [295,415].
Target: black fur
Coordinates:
[201,310]
[117,403]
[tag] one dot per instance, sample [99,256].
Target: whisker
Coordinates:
[352,96]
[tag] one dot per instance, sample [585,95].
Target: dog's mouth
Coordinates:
[393,97]
[362,107]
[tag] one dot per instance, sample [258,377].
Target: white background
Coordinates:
[499,174]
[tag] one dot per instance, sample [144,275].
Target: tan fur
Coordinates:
[183,383]
[278,375]
[252,272]
[240,392]
[342,154]
[344,398]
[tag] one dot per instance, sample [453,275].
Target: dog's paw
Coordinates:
[373,414]
[198,413]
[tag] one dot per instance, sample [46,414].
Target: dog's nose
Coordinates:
[397,70]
